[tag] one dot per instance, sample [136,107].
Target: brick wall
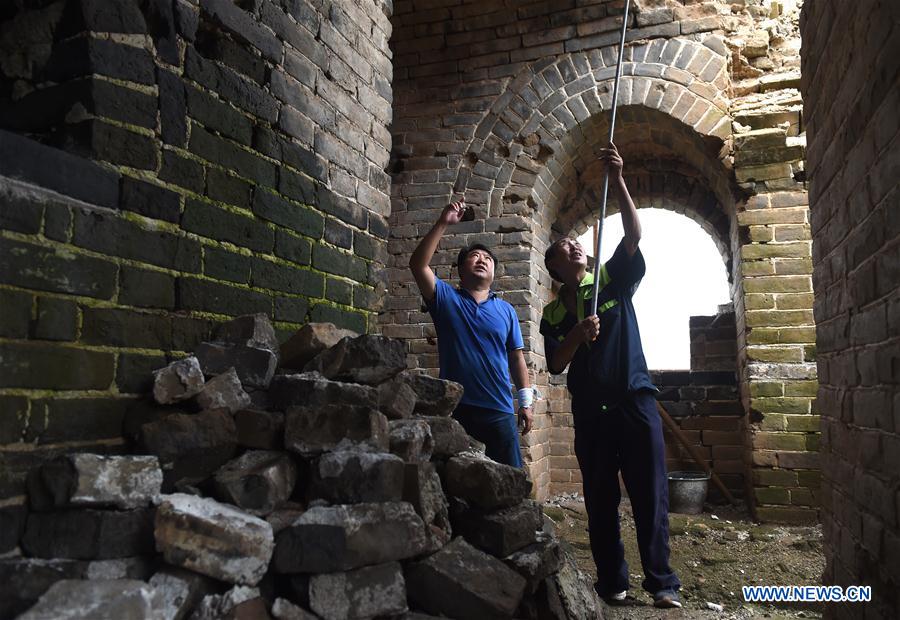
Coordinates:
[851,88]
[714,341]
[163,166]
[506,106]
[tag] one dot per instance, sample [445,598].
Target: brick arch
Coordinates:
[551,99]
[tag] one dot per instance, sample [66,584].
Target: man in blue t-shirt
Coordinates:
[617,427]
[479,342]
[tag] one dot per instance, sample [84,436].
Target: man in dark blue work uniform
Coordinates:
[617,426]
[479,342]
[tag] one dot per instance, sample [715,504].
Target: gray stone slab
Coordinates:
[213,539]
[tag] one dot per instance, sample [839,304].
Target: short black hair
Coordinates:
[464,253]
[549,254]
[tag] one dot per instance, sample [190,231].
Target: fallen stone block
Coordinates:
[190,445]
[448,436]
[180,591]
[422,489]
[309,341]
[76,599]
[484,483]
[498,533]
[239,603]
[537,561]
[354,477]
[283,609]
[364,359]
[259,399]
[178,381]
[249,330]
[311,389]
[434,397]
[258,481]
[224,392]
[262,430]
[139,567]
[285,516]
[359,594]
[93,480]
[213,539]
[312,430]
[254,366]
[459,581]
[411,440]
[396,399]
[568,594]
[340,538]
[24,580]
[87,534]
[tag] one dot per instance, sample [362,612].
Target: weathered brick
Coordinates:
[145,288]
[149,200]
[16,313]
[339,263]
[134,372]
[271,275]
[298,218]
[172,108]
[290,247]
[229,189]
[222,264]
[182,172]
[230,86]
[231,156]
[116,236]
[57,319]
[209,296]
[218,115]
[223,225]
[13,419]
[327,313]
[30,265]
[55,367]
[107,142]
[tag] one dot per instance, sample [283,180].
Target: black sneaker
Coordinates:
[666,599]
[616,598]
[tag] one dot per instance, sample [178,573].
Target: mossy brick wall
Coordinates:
[165,165]
[851,88]
[506,106]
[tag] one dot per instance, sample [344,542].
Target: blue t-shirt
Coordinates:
[473,342]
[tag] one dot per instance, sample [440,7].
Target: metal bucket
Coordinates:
[687,491]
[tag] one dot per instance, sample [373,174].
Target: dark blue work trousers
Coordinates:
[497,430]
[625,437]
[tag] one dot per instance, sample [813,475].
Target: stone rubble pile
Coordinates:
[333,486]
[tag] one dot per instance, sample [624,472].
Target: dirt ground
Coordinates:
[713,554]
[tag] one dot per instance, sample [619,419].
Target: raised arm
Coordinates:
[630,221]
[420,259]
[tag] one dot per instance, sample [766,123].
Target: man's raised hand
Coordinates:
[453,213]
[612,161]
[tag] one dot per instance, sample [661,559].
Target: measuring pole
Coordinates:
[612,128]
